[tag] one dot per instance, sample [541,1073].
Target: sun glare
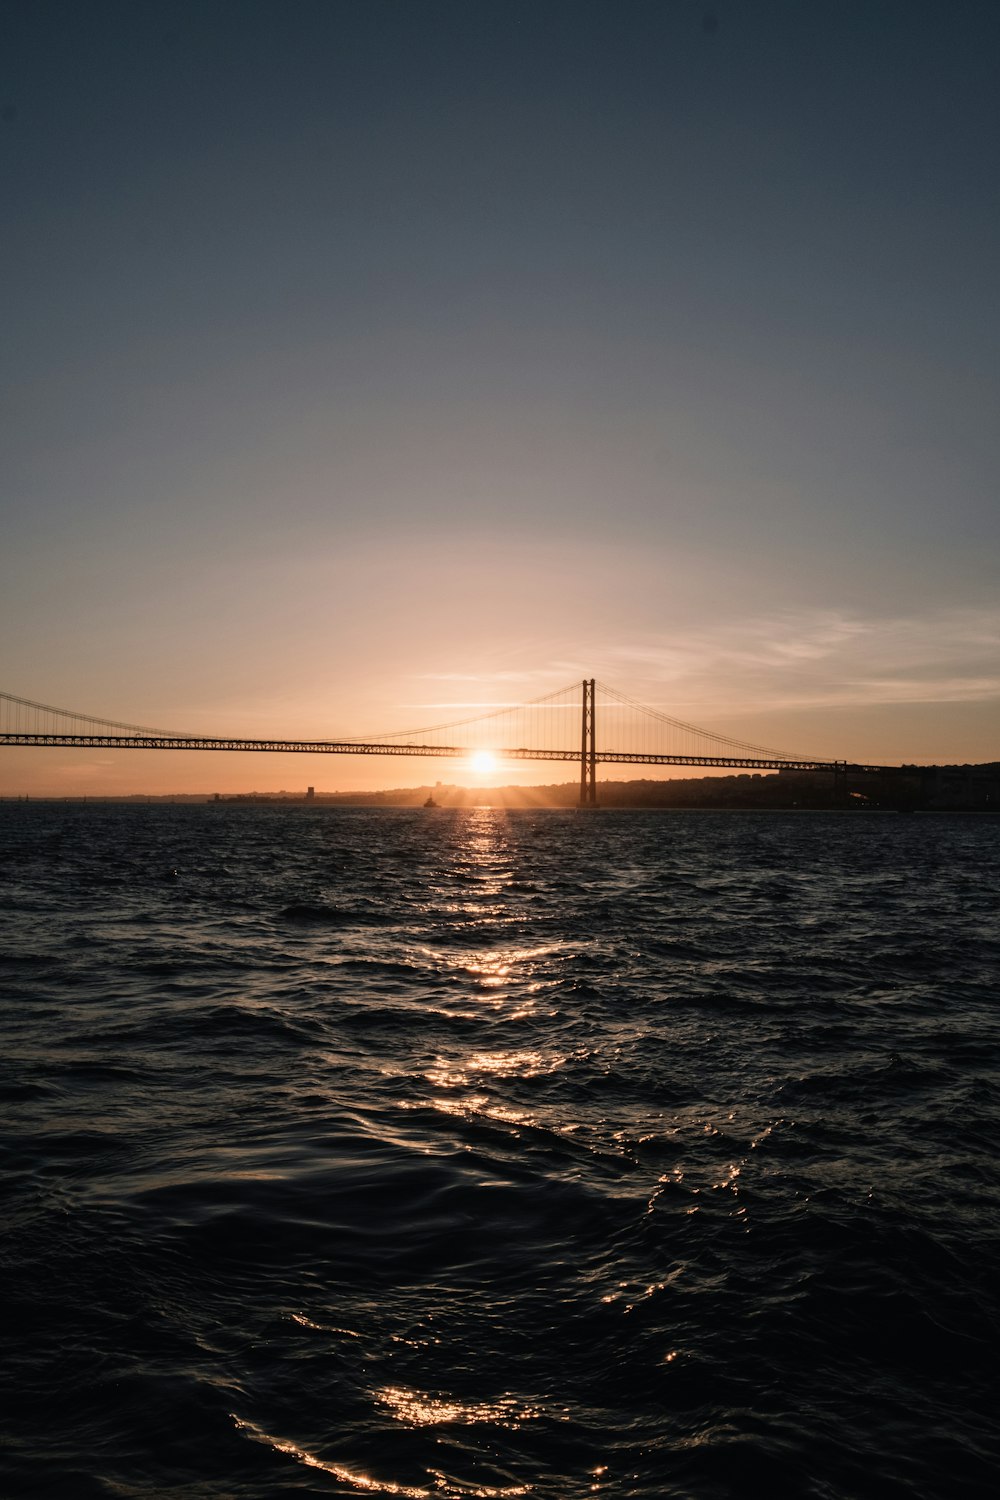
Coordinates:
[483,762]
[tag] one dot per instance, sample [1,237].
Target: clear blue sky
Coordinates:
[364,358]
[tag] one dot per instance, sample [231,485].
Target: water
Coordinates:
[478,1154]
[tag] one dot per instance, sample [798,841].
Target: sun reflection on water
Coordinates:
[526,970]
[469,1106]
[304,1322]
[443,1488]
[525,1063]
[346,1476]
[421,1410]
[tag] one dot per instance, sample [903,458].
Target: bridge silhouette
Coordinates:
[588,723]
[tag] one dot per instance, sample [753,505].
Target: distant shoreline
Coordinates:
[345,805]
[928,789]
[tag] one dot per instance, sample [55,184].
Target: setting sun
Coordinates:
[483,762]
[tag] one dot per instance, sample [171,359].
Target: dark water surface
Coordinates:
[479,1154]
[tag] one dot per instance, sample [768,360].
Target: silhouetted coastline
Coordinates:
[970,788]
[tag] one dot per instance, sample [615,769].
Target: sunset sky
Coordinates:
[364,361]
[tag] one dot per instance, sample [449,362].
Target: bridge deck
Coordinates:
[445,752]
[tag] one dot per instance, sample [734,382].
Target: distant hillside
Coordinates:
[935,788]
[955,787]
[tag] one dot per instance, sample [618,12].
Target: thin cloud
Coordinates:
[770,663]
[814,659]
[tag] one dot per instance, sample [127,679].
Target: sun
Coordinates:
[483,762]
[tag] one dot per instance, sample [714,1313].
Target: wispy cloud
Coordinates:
[771,663]
[926,690]
[818,658]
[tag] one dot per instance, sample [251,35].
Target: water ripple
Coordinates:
[491,1154]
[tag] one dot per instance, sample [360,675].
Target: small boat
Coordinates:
[430,802]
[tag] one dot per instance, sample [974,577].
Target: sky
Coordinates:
[364,361]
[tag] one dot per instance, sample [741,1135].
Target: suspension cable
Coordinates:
[708,734]
[69,713]
[481,718]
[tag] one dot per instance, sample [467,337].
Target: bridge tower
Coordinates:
[588,746]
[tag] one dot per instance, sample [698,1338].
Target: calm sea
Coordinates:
[481,1154]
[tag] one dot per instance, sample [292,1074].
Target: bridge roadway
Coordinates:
[446,752]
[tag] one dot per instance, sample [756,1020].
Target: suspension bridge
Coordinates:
[587,723]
